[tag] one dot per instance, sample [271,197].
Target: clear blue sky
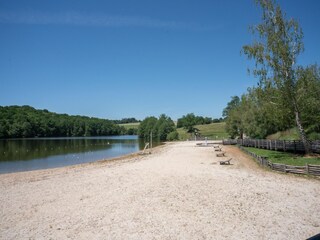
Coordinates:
[114,59]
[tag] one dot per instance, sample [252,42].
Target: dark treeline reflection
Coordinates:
[27,149]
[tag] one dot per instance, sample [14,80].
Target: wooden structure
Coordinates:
[221,154]
[277,145]
[307,169]
[225,162]
[218,149]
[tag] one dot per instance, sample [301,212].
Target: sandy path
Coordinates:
[178,192]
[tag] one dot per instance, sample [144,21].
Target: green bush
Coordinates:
[173,136]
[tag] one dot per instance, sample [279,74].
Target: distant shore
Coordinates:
[179,191]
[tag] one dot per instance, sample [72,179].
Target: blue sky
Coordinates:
[117,59]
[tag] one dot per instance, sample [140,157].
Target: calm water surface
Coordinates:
[40,153]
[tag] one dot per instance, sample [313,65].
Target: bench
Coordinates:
[221,154]
[225,162]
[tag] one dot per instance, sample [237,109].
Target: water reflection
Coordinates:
[31,154]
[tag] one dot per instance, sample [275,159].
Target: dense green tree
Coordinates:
[255,116]
[172,136]
[275,51]
[164,126]
[147,127]
[235,101]
[159,128]
[233,118]
[308,98]
[189,120]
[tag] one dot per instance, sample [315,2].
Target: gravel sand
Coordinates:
[180,191]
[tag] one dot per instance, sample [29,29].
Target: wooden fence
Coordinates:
[307,169]
[277,145]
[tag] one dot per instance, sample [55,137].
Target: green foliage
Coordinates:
[25,121]
[233,118]
[130,128]
[130,125]
[126,120]
[132,131]
[261,113]
[173,136]
[146,127]
[290,134]
[234,103]
[279,42]
[164,126]
[159,128]
[285,157]
[256,117]
[287,94]
[213,130]
[308,98]
[190,120]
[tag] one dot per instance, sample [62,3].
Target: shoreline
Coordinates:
[180,191]
[78,164]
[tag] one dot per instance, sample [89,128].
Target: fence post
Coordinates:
[307,168]
[284,145]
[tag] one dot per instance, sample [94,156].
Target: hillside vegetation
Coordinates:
[27,122]
[290,134]
[130,125]
[212,131]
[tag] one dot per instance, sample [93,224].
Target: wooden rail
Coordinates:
[307,169]
[277,145]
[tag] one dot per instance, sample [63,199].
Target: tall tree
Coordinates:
[275,53]
[235,101]
[232,114]
[308,90]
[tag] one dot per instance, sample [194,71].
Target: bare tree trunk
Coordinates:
[303,135]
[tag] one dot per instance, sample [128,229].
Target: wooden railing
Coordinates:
[277,145]
[307,169]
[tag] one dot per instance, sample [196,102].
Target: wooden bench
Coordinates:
[221,154]
[218,149]
[225,162]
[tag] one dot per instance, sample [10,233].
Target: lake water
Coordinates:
[40,153]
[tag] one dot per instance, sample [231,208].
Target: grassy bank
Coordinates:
[290,134]
[130,125]
[212,131]
[285,157]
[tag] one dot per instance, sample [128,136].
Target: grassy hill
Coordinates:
[130,125]
[212,131]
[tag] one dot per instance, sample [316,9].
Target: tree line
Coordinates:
[191,119]
[287,94]
[27,122]
[126,120]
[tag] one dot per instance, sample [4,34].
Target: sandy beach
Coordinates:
[180,191]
